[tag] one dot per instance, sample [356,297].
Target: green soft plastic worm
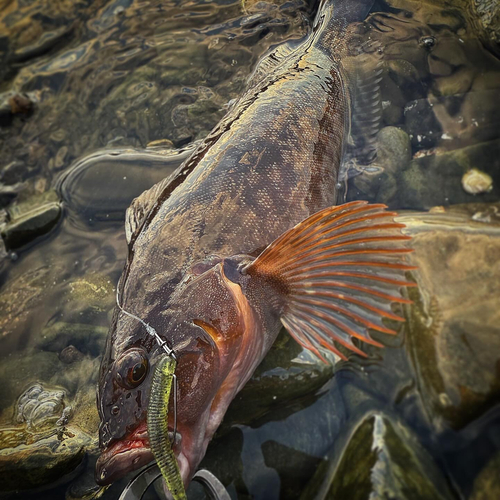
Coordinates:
[157,419]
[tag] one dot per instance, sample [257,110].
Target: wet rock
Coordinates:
[7,195]
[379,181]
[13,103]
[393,149]
[20,371]
[487,483]
[12,173]
[400,84]
[287,376]
[38,407]
[489,14]
[294,467]
[421,124]
[457,83]
[42,45]
[453,325]
[30,460]
[99,188]
[70,354]
[31,218]
[453,121]
[37,222]
[476,182]
[437,179]
[382,459]
[93,293]
[20,104]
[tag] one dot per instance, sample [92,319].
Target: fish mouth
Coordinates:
[126,455]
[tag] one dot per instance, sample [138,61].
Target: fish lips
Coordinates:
[123,456]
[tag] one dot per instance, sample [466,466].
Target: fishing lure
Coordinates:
[157,420]
[157,417]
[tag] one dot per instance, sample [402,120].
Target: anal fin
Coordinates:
[338,273]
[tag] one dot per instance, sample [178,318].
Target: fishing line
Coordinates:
[163,345]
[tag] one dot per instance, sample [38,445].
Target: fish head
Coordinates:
[212,329]
[122,399]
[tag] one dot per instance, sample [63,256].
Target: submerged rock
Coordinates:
[452,333]
[288,376]
[31,218]
[38,407]
[86,338]
[293,467]
[487,483]
[477,182]
[99,188]
[382,459]
[379,181]
[30,460]
[437,179]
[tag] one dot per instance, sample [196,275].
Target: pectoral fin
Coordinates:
[338,273]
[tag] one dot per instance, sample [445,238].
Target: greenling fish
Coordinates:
[246,237]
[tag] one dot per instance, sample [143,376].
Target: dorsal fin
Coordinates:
[276,57]
[338,273]
[141,205]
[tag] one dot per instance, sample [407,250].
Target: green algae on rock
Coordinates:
[34,460]
[384,460]
[487,483]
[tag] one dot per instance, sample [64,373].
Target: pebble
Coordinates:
[477,182]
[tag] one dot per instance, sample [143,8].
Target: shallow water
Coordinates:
[120,92]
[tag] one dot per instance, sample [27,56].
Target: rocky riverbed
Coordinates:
[100,100]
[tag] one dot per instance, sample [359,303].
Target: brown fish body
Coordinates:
[192,274]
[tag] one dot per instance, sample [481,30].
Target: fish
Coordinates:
[249,235]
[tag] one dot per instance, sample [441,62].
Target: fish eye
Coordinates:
[132,368]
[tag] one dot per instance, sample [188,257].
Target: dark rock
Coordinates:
[20,104]
[382,459]
[281,382]
[32,224]
[12,103]
[487,483]
[453,121]
[294,467]
[100,187]
[421,124]
[12,173]
[80,338]
[7,194]
[70,354]
[30,461]
[437,179]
